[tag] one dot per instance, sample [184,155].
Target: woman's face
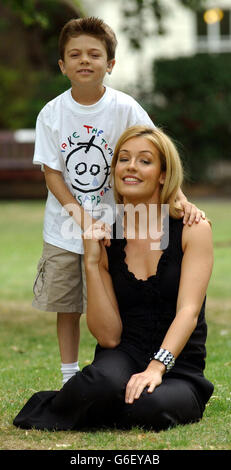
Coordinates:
[138,175]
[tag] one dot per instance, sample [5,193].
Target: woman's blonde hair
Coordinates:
[170,164]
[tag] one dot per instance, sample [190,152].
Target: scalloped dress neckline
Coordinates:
[131,275]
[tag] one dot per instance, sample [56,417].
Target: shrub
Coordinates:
[192,102]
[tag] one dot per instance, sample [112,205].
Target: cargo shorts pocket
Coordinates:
[39,280]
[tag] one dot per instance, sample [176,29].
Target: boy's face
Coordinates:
[85,61]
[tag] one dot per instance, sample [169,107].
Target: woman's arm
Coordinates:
[103,316]
[196,270]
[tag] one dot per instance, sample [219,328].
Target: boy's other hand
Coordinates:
[191,213]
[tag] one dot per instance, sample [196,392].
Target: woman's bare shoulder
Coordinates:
[200,232]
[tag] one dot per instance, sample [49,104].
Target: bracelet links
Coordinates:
[166,357]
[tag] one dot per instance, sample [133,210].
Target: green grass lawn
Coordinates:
[29,356]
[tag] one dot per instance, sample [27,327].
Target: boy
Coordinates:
[75,136]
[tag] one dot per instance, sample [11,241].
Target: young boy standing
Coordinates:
[75,136]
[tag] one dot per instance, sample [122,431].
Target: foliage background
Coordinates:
[190,98]
[192,102]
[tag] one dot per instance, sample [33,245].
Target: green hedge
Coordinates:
[23,93]
[192,102]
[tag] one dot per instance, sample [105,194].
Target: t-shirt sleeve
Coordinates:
[46,148]
[138,116]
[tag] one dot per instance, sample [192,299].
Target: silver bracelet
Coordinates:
[166,357]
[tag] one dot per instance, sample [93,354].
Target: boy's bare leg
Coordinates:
[68,331]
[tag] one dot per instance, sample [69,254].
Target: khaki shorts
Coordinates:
[60,284]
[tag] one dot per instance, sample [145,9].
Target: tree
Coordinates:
[30,75]
[33,12]
[136,12]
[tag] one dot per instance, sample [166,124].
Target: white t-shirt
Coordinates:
[78,141]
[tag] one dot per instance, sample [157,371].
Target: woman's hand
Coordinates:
[95,238]
[151,378]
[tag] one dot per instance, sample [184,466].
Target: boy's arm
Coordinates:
[190,212]
[59,189]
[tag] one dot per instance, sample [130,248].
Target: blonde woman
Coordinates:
[146,307]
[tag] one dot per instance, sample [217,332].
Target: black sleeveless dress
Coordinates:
[148,307]
[95,396]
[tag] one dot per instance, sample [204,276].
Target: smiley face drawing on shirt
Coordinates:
[87,166]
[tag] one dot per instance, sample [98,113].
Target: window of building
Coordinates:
[214,30]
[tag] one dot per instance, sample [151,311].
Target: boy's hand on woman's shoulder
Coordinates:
[191,213]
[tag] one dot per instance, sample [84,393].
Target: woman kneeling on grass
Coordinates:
[146,307]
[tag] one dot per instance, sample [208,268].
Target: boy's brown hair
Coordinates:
[91,26]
